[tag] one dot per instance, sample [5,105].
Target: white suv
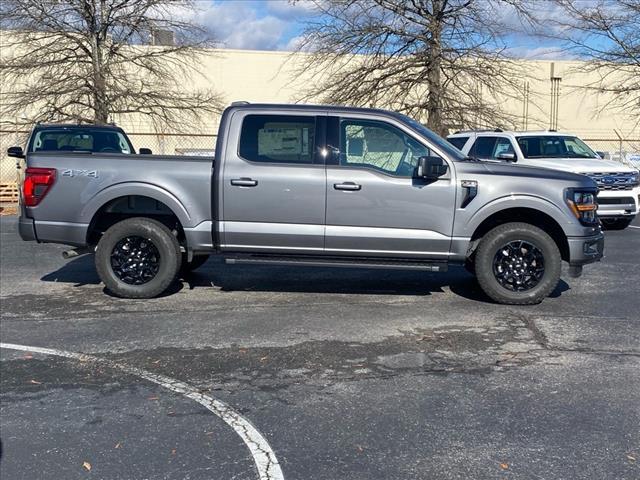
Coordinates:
[619,185]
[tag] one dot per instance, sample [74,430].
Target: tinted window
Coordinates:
[278,139]
[434,139]
[379,146]
[554,146]
[458,142]
[490,147]
[503,145]
[79,140]
[483,147]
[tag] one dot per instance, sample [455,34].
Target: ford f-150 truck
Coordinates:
[314,185]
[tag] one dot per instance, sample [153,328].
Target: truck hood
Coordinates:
[580,165]
[512,169]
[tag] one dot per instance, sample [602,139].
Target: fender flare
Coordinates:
[142,189]
[506,202]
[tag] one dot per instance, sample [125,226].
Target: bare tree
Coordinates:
[607,34]
[439,60]
[93,60]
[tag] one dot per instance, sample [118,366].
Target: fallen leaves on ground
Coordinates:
[86,466]
[504,466]
[35,382]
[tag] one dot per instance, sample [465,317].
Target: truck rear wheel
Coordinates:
[138,258]
[518,264]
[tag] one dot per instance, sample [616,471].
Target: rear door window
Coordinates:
[278,139]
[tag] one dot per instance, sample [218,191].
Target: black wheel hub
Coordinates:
[135,260]
[518,266]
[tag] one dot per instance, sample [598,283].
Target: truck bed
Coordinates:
[86,182]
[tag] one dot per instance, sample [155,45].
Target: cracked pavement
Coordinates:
[348,373]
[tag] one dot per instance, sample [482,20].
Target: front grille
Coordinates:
[615,181]
[615,201]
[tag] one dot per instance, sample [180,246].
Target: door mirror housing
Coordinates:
[431,167]
[145,151]
[15,152]
[509,157]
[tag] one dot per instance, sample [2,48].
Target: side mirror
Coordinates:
[145,151]
[431,167]
[15,152]
[509,157]
[602,155]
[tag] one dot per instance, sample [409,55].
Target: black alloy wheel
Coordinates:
[135,260]
[518,266]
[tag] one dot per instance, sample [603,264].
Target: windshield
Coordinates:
[554,146]
[440,142]
[79,140]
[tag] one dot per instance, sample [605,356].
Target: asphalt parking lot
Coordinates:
[343,374]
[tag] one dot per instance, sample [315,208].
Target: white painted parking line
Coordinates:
[633,226]
[263,456]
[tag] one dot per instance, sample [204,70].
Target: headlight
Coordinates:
[584,206]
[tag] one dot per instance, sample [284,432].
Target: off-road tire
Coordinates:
[170,257]
[501,235]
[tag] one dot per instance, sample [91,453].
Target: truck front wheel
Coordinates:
[138,258]
[518,264]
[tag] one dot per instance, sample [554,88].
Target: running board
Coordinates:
[350,262]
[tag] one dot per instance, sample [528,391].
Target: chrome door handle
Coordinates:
[350,186]
[244,182]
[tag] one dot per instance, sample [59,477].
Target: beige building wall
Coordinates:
[259,76]
[268,76]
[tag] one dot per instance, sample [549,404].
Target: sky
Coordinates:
[255,24]
[278,24]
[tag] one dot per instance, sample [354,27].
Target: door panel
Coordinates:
[277,201]
[390,213]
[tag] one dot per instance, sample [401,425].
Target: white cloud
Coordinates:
[237,25]
[541,53]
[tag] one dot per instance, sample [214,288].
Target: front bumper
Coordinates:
[623,203]
[583,250]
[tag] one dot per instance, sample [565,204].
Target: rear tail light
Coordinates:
[37,182]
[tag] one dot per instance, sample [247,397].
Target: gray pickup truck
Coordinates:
[314,185]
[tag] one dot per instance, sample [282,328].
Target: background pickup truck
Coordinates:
[78,138]
[314,185]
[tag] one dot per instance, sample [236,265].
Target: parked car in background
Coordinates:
[618,184]
[81,138]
